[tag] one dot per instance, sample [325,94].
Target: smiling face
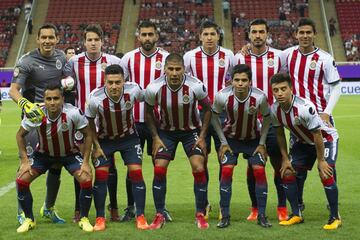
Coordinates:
[47,41]
[306,36]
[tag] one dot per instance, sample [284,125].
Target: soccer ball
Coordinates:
[67,83]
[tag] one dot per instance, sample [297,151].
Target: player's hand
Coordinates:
[262,150]
[85,169]
[157,145]
[245,50]
[326,118]
[97,152]
[32,111]
[224,148]
[286,165]
[201,143]
[325,170]
[24,168]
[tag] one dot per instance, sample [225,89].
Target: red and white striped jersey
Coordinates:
[242,116]
[143,69]
[88,74]
[312,75]
[178,109]
[57,136]
[301,119]
[210,69]
[263,67]
[114,119]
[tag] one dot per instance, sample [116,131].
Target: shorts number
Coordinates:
[326,152]
[79,159]
[138,150]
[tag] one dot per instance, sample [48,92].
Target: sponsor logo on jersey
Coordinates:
[221,62]
[158,65]
[58,64]
[270,62]
[312,65]
[186,99]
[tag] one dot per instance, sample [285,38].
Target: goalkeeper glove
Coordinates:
[32,111]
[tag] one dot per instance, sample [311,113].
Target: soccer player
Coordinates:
[313,140]
[242,103]
[314,77]
[69,52]
[32,73]
[143,65]
[211,64]
[178,96]
[88,70]
[69,94]
[264,62]
[56,146]
[113,106]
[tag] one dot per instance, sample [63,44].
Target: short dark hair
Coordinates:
[96,28]
[48,26]
[281,77]
[54,86]
[68,48]
[241,68]
[209,24]
[258,21]
[147,24]
[305,22]
[174,57]
[119,54]
[114,69]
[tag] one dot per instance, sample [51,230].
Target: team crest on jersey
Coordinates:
[221,62]
[297,121]
[29,150]
[158,65]
[312,65]
[58,64]
[103,66]
[128,105]
[78,136]
[16,72]
[252,110]
[64,127]
[270,62]
[186,99]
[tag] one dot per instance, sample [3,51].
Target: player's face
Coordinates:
[258,35]
[174,72]
[47,41]
[241,83]
[93,43]
[53,101]
[148,38]
[70,53]
[282,92]
[209,38]
[114,84]
[306,36]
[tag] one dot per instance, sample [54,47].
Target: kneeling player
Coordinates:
[113,106]
[314,140]
[56,146]
[242,104]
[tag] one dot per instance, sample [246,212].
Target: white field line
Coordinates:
[7,188]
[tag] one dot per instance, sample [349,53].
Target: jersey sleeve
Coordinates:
[283,63]
[200,91]
[27,125]
[264,106]
[150,95]
[187,63]
[218,105]
[311,117]
[80,121]
[139,94]
[331,73]
[91,108]
[22,71]
[274,120]
[69,66]
[124,64]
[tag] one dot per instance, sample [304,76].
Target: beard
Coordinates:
[147,46]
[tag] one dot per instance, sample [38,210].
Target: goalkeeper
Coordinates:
[33,72]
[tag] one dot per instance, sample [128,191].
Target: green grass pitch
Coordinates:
[180,198]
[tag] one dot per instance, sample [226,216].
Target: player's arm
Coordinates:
[216,124]
[97,150]
[265,113]
[25,165]
[335,92]
[200,142]
[324,169]
[281,139]
[85,166]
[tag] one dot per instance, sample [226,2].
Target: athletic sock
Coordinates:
[279,189]
[138,190]
[331,192]
[301,175]
[261,188]
[225,190]
[290,187]
[25,198]
[200,190]
[250,179]
[77,193]
[52,187]
[99,191]
[85,198]
[159,188]
[112,187]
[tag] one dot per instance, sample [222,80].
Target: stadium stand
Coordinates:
[280,14]
[178,21]
[71,18]
[348,16]
[9,15]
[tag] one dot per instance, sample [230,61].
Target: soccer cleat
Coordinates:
[141,222]
[27,225]
[158,221]
[167,215]
[263,221]
[99,224]
[129,214]
[85,225]
[200,221]
[208,209]
[224,222]
[253,214]
[333,223]
[76,217]
[293,219]
[282,214]
[21,217]
[51,214]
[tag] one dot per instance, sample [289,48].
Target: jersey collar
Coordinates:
[291,105]
[307,54]
[247,97]
[210,55]
[86,55]
[148,56]
[260,55]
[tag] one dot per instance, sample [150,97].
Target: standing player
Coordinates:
[264,62]
[88,70]
[143,65]
[242,103]
[32,73]
[113,106]
[313,140]
[69,94]
[69,52]
[211,64]
[177,96]
[56,146]
[314,77]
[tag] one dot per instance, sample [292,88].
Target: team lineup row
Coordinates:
[238,88]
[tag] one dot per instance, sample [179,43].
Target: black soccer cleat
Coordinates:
[167,215]
[224,222]
[263,221]
[129,214]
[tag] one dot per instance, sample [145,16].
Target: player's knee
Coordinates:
[22,184]
[200,177]
[85,184]
[136,176]
[227,173]
[327,182]
[160,173]
[101,174]
[259,174]
[289,177]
